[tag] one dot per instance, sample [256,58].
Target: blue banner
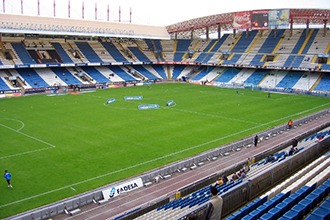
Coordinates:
[170,103]
[111,100]
[133,98]
[148,106]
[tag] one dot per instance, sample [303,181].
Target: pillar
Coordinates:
[207,33]
[219,31]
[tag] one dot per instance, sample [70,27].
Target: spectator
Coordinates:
[214,208]
[234,177]
[224,179]
[219,182]
[242,174]
[294,142]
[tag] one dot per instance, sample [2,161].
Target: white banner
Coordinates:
[125,187]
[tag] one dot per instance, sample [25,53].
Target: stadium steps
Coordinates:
[277,46]
[310,41]
[327,50]
[234,44]
[306,41]
[212,46]
[175,44]
[254,43]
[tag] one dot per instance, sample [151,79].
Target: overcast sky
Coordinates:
[151,12]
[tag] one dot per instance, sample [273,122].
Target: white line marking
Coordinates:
[153,160]
[215,116]
[50,146]
[24,153]
[19,121]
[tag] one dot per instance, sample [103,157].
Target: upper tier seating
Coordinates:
[65,57]
[114,52]
[88,52]
[22,53]
[271,41]
[300,43]
[244,41]
[139,54]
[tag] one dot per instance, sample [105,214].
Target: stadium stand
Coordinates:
[95,74]
[284,60]
[88,52]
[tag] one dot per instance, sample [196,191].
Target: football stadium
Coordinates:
[108,119]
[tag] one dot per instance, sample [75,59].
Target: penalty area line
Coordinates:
[28,136]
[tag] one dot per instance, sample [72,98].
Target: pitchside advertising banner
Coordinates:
[122,188]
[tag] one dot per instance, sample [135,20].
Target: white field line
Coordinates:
[215,116]
[150,161]
[19,121]
[29,136]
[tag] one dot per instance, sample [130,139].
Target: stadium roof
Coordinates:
[23,24]
[226,20]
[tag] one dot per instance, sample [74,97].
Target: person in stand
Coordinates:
[224,179]
[214,208]
[294,143]
[7,176]
[290,123]
[256,139]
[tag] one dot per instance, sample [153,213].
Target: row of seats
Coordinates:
[154,72]
[202,196]
[183,50]
[290,203]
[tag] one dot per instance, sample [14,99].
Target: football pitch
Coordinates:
[60,146]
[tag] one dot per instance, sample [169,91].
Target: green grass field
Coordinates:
[60,146]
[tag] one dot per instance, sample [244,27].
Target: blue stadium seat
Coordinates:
[267,216]
[275,213]
[314,198]
[322,212]
[292,215]
[299,209]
